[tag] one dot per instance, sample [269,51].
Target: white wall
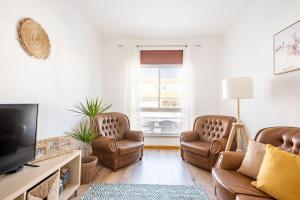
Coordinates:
[248,52]
[82,64]
[207,87]
[70,73]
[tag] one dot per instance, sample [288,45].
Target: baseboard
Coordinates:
[161,147]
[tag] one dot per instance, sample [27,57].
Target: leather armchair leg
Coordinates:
[182,154]
[142,153]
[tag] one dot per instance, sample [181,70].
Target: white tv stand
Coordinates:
[15,186]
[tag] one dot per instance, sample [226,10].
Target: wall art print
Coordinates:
[286,49]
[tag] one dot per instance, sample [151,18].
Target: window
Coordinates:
[160,99]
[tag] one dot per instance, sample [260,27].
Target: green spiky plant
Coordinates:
[83,134]
[89,110]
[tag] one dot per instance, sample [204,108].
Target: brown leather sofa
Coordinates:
[230,185]
[117,145]
[202,146]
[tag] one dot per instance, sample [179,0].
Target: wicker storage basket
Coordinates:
[88,169]
[48,189]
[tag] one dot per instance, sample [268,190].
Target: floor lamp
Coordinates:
[237,88]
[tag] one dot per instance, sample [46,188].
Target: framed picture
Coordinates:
[53,146]
[286,49]
[65,144]
[41,152]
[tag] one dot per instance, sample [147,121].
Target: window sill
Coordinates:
[163,135]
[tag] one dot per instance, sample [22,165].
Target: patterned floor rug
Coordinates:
[122,191]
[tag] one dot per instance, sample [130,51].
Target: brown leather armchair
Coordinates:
[117,145]
[231,185]
[202,146]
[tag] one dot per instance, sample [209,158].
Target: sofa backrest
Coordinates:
[209,127]
[286,138]
[112,124]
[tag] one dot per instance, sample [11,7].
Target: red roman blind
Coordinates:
[161,56]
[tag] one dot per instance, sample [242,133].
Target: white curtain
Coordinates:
[190,63]
[132,63]
[131,58]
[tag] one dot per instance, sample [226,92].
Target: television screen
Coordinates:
[18,128]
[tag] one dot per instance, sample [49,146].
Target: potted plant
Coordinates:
[86,133]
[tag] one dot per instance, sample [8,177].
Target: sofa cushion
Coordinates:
[197,147]
[284,183]
[234,183]
[253,159]
[128,146]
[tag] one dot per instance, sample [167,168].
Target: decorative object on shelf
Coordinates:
[41,151]
[86,133]
[286,49]
[61,186]
[48,189]
[52,147]
[33,38]
[238,88]
[64,176]
[65,144]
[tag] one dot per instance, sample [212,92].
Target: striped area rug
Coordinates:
[121,191]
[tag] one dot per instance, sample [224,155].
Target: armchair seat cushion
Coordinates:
[233,183]
[198,147]
[127,146]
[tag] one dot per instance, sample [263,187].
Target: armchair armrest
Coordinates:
[135,136]
[218,145]
[230,160]
[188,136]
[105,143]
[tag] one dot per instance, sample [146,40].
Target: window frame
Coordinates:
[159,88]
[159,108]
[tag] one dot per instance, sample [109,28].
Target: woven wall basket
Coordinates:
[33,38]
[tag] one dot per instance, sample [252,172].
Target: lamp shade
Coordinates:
[238,88]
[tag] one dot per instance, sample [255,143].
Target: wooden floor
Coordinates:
[157,167]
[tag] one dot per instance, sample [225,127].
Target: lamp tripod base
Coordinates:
[238,130]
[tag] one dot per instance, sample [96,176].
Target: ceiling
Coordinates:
[162,19]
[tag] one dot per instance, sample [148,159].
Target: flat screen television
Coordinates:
[18,129]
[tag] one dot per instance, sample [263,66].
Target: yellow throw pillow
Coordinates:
[279,174]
